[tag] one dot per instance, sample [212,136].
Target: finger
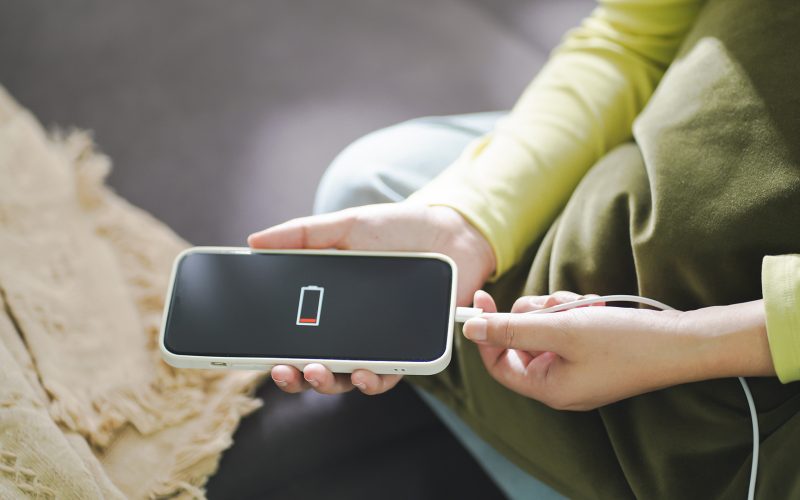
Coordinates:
[529,332]
[371,383]
[489,353]
[483,300]
[288,378]
[317,231]
[518,370]
[539,367]
[324,381]
[560,297]
[529,303]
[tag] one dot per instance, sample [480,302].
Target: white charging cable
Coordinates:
[465,313]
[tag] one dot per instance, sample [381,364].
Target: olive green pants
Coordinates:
[683,214]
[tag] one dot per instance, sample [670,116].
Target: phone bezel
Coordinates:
[335,365]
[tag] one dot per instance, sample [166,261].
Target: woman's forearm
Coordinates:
[588,357]
[731,341]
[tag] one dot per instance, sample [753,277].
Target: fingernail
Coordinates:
[361,386]
[281,383]
[475,329]
[313,382]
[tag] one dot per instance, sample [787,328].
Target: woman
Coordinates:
[656,154]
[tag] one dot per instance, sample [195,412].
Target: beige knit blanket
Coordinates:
[87,408]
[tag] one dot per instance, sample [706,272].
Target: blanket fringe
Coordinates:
[199,457]
[147,409]
[175,395]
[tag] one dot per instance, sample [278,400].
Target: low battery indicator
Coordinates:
[309,307]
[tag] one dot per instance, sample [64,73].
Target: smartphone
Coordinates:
[388,312]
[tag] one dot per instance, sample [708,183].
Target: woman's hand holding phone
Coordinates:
[386,227]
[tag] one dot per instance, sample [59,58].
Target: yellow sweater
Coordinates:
[511,183]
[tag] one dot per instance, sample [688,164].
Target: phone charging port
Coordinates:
[219,363]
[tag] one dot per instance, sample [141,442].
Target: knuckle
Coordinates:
[557,400]
[352,216]
[325,389]
[293,388]
[528,303]
[372,390]
[561,297]
[565,398]
[551,301]
[387,383]
[302,225]
[519,304]
[508,332]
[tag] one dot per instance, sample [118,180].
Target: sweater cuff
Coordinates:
[780,283]
[454,188]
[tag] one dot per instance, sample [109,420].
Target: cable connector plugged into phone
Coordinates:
[465,313]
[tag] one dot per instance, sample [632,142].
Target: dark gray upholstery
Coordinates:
[347,447]
[220,118]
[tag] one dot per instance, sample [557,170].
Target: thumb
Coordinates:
[489,353]
[528,332]
[316,231]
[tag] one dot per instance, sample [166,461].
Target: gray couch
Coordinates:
[220,118]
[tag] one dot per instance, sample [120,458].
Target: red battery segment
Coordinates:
[309,306]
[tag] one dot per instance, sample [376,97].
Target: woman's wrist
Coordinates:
[730,341]
[474,239]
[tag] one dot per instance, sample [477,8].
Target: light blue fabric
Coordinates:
[387,166]
[391,163]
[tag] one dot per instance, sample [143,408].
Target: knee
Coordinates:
[358,174]
[390,164]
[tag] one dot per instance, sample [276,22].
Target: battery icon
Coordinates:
[309,307]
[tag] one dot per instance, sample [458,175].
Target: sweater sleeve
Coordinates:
[511,183]
[780,283]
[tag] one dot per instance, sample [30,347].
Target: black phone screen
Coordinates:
[310,306]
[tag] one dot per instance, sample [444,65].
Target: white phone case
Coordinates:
[335,365]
